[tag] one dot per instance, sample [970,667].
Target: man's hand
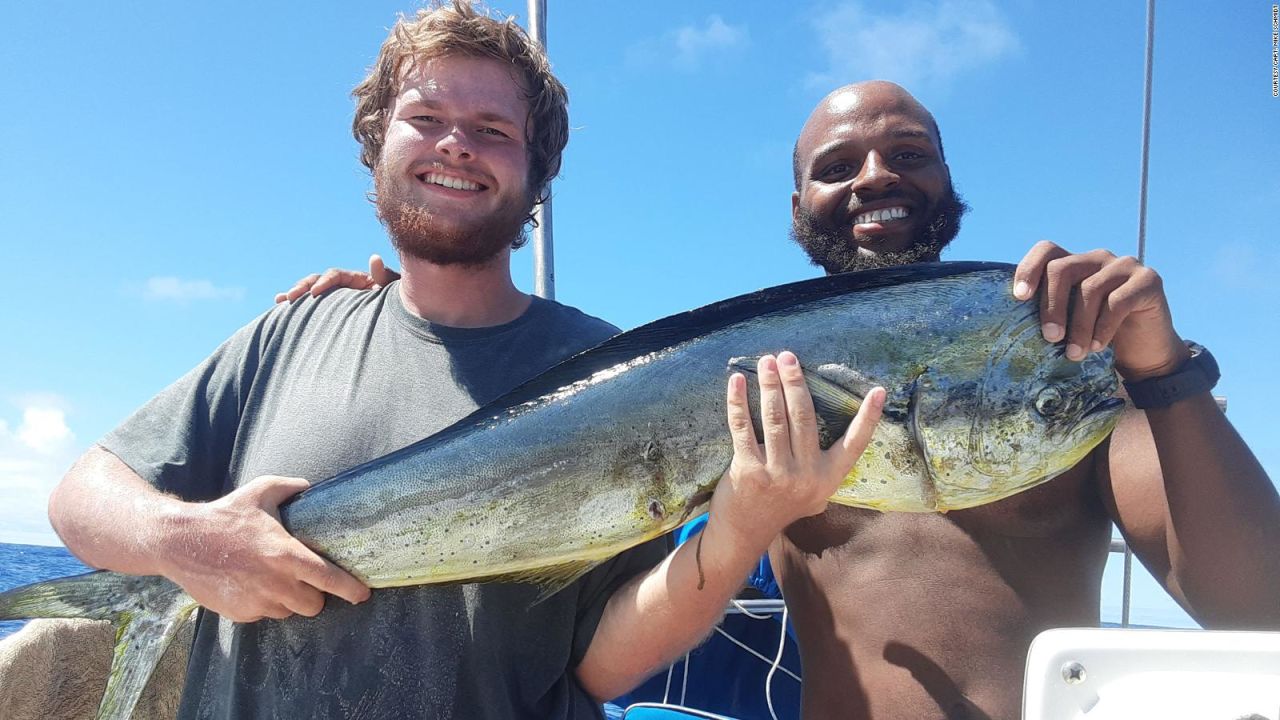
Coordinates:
[235,558]
[318,284]
[790,477]
[1094,299]
[658,615]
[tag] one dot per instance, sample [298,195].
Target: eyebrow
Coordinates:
[913,134]
[414,97]
[822,152]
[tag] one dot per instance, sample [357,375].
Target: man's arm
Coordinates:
[1188,494]
[231,554]
[1199,510]
[660,614]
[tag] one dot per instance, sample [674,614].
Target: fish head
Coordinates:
[1016,413]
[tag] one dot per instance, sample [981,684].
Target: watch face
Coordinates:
[1203,360]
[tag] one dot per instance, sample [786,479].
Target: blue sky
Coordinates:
[166,167]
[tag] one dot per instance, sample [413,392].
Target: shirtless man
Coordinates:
[922,616]
[930,616]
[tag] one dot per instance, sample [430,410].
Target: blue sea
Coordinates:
[22,564]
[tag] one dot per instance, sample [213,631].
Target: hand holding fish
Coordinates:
[234,557]
[1096,299]
[768,486]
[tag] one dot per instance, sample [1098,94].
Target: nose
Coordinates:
[875,176]
[454,144]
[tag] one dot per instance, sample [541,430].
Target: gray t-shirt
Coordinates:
[309,390]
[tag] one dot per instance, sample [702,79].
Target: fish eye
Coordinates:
[1049,402]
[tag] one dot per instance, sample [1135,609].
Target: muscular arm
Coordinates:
[659,615]
[1186,491]
[231,555]
[1200,512]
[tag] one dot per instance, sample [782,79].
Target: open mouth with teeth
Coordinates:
[880,216]
[451,182]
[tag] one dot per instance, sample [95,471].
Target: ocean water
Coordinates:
[22,564]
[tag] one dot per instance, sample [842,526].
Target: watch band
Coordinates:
[1198,374]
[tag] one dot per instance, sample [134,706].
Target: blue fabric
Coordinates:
[723,678]
[727,680]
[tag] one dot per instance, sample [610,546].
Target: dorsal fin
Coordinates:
[668,332]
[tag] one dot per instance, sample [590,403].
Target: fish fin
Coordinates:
[833,403]
[551,579]
[147,612]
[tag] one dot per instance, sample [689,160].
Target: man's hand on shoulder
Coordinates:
[1113,301]
[235,558]
[318,284]
[769,486]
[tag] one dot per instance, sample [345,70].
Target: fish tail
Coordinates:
[147,612]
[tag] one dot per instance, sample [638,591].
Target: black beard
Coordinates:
[414,232]
[833,249]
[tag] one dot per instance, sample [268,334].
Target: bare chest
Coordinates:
[1060,507]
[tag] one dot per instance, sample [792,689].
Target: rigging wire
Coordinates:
[1146,133]
[1127,587]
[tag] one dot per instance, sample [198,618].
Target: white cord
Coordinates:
[753,651]
[743,609]
[666,692]
[684,684]
[777,663]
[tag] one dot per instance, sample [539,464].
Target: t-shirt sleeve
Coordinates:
[601,583]
[181,440]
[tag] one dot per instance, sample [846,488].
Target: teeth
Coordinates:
[450,182]
[875,216]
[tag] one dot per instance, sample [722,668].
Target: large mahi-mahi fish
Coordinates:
[624,442]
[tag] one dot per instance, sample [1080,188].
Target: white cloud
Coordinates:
[44,429]
[689,46]
[920,44]
[33,457]
[169,288]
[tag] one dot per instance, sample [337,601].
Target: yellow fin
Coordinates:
[834,404]
[551,579]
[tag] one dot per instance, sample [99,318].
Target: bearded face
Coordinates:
[418,231]
[451,183]
[831,246]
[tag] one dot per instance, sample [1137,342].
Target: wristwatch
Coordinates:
[1198,374]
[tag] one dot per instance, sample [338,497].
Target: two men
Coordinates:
[462,125]
[910,616]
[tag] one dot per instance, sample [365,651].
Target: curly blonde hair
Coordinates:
[460,29]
